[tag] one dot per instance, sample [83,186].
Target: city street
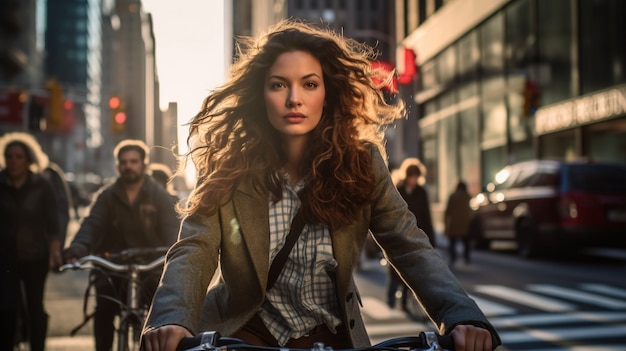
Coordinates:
[563,303]
[573,303]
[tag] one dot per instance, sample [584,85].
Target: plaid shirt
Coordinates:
[304,294]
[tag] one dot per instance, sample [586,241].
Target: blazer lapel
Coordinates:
[251,209]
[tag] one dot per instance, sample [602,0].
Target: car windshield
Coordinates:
[600,178]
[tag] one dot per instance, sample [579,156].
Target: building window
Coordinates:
[494,114]
[555,38]
[448,65]
[520,39]
[429,75]
[469,56]
[492,48]
[602,44]
[469,151]
[421,11]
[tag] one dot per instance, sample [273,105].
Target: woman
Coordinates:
[458,216]
[297,128]
[30,237]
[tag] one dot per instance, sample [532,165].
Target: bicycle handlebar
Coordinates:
[126,254]
[212,341]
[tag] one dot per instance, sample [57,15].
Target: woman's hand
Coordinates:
[165,338]
[471,338]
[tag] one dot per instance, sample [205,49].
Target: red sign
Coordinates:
[12,106]
[410,70]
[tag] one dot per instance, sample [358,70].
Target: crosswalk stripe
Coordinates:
[554,318]
[577,295]
[605,289]
[525,298]
[560,334]
[491,308]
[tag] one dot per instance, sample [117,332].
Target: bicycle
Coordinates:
[132,312]
[213,341]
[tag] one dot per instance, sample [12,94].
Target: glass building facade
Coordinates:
[73,45]
[533,79]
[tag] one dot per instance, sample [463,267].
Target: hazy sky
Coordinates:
[190,41]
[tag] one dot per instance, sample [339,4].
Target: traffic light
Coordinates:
[531,96]
[118,115]
[55,115]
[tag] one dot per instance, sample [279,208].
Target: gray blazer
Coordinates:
[216,274]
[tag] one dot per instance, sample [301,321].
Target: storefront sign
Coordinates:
[584,110]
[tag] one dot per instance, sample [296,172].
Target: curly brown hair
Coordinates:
[231,137]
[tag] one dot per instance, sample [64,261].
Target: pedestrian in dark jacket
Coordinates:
[29,238]
[458,216]
[412,191]
[133,212]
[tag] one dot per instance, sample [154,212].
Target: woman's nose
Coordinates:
[294,98]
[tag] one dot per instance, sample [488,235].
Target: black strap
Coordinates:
[297,224]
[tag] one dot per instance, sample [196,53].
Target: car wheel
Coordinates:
[526,242]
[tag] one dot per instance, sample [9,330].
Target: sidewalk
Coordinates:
[64,303]
[64,298]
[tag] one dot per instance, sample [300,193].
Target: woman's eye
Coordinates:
[276,85]
[311,85]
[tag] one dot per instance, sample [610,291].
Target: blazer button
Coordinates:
[349,297]
[351,323]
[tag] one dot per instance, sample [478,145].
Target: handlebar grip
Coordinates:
[444,341]
[195,342]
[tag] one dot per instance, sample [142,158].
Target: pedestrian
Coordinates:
[133,212]
[458,216]
[414,193]
[412,177]
[162,174]
[30,238]
[54,173]
[291,146]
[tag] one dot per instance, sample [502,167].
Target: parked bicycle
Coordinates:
[213,341]
[128,265]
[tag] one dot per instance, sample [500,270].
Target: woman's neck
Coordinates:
[294,151]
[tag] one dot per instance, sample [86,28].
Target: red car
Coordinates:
[546,204]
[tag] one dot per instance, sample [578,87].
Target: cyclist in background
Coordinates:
[133,212]
[297,131]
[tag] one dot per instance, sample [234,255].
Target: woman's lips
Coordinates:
[294,117]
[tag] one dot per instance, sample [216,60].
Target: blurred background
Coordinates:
[487,82]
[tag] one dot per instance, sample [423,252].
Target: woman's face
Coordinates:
[294,93]
[16,161]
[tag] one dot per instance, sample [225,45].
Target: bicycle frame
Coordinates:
[131,315]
